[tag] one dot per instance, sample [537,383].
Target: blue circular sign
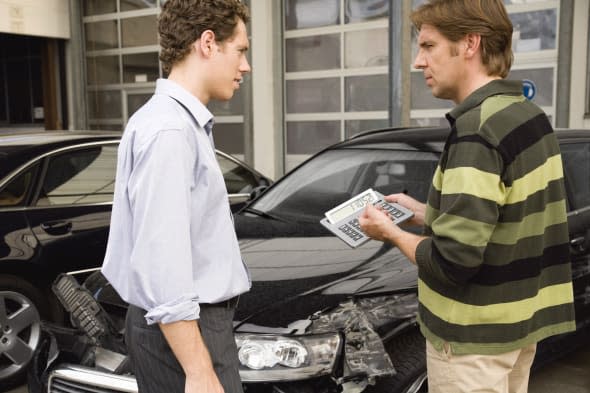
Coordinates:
[529,89]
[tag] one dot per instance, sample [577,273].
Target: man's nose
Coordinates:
[245,66]
[419,61]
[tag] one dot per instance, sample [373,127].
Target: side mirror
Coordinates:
[256,191]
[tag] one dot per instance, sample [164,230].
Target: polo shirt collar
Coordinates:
[495,87]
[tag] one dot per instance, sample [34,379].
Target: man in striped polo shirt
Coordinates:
[494,275]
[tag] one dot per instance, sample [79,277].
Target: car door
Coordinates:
[576,163]
[70,213]
[17,242]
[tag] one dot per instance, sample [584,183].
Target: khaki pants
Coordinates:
[504,373]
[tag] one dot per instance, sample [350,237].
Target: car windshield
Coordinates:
[336,175]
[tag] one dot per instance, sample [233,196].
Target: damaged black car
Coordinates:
[321,316]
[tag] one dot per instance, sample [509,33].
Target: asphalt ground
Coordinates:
[570,374]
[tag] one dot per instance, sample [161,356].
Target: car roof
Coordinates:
[428,138]
[572,135]
[40,138]
[411,138]
[17,148]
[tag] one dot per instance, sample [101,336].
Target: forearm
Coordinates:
[406,242]
[184,337]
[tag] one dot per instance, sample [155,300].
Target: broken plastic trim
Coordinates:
[365,355]
[86,314]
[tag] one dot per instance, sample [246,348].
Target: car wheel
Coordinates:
[20,328]
[408,354]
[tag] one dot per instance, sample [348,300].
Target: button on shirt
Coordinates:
[172,243]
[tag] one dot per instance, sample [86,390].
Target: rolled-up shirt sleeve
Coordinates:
[161,264]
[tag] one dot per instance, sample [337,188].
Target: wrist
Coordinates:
[394,235]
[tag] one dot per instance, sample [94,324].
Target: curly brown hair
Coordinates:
[182,22]
[456,18]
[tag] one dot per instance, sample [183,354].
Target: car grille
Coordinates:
[59,385]
[78,379]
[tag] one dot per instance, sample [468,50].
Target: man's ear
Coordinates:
[472,44]
[205,44]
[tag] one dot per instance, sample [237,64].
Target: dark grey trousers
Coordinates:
[154,364]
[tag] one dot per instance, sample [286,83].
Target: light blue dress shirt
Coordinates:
[172,243]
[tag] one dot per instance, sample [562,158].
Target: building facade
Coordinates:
[323,70]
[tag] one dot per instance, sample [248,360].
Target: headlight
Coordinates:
[267,357]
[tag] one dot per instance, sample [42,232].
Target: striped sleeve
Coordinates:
[469,192]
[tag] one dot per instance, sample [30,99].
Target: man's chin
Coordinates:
[223,97]
[440,94]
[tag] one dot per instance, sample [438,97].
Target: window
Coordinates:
[101,35]
[97,7]
[122,66]
[336,71]
[229,137]
[129,5]
[102,70]
[140,31]
[141,67]
[80,177]
[534,30]
[104,104]
[15,192]
[576,166]
[300,133]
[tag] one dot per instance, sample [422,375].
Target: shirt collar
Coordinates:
[203,117]
[495,87]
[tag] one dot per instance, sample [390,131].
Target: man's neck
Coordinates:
[187,76]
[472,84]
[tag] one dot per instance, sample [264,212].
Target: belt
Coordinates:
[229,303]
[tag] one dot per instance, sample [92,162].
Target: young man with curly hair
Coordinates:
[173,253]
[494,274]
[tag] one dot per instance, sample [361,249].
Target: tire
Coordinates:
[408,355]
[20,328]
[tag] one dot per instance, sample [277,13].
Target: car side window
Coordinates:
[237,178]
[15,192]
[80,177]
[576,166]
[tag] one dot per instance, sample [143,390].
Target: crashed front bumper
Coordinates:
[358,359]
[79,379]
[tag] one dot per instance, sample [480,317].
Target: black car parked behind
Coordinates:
[56,191]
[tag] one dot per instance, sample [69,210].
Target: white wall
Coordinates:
[45,18]
[579,65]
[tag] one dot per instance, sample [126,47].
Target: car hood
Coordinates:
[297,272]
